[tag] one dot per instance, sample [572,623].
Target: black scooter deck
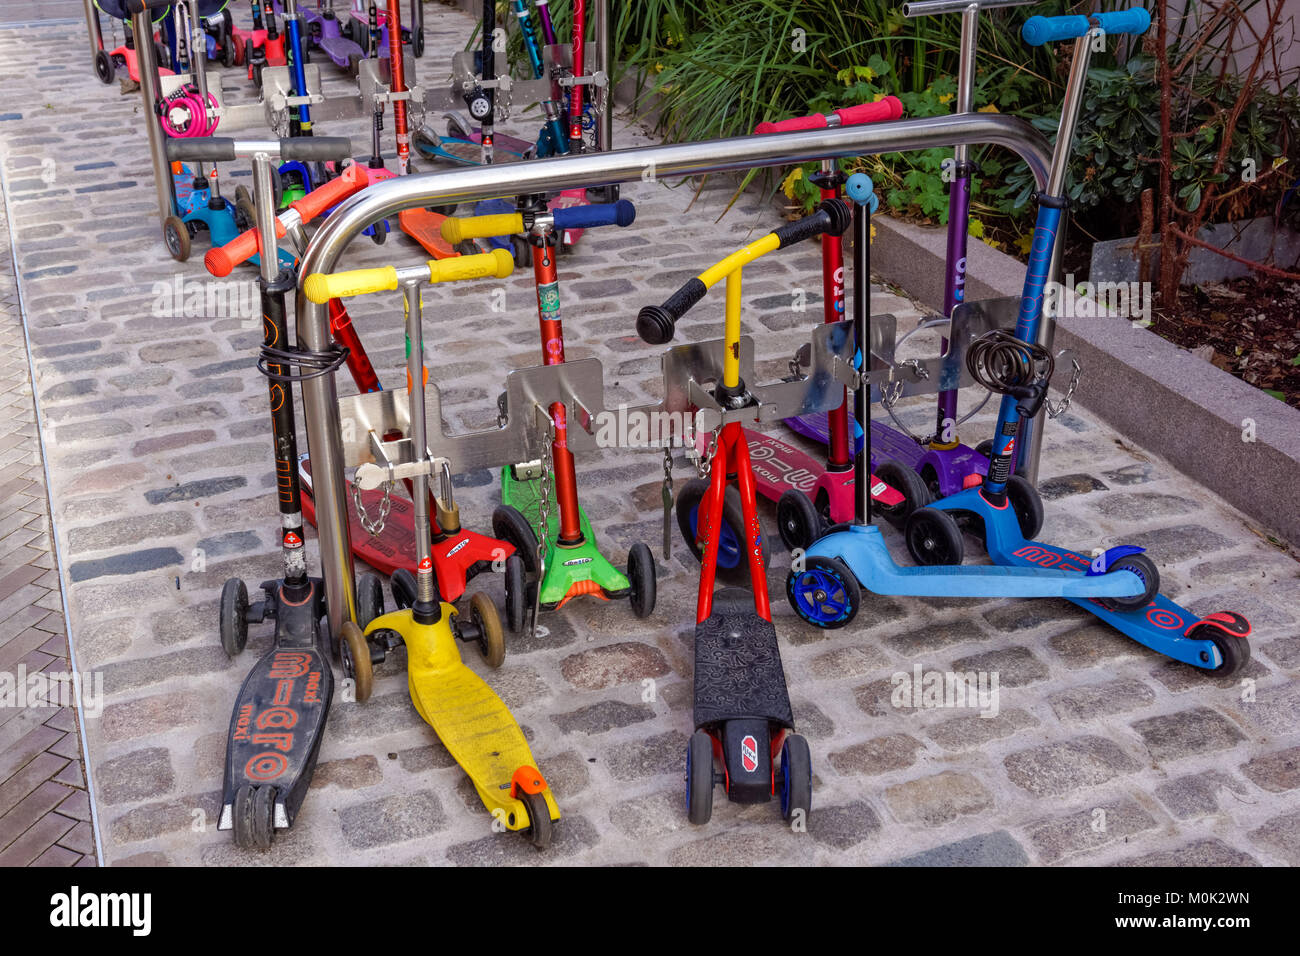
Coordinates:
[738,672]
[276,729]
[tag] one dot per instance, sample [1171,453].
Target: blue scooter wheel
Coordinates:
[1147,573]
[732,565]
[825,593]
[796,778]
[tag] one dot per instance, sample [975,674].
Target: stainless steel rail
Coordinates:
[320,397]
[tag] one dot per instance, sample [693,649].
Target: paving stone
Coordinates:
[1063,486]
[145,716]
[1143,506]
[1280,835]
[774,846]
[1060,767]
[878,755]
[135,776]
[648,756]
[351,773]
[989,849]
[207,488]
[1091,701]
[602,716]
[937,800]
[1026,615]
[1093,644]
[1276,772]
[613,664]
[1188,732]
[128,531]
[1210,852]
[1015,666]
[142,672]
[1198,794]
[974,730]
[1089,829]
[845,826]
[152,820]
[392,819]
[573,834]
[934,637]
[1171,545]
[653,816]
[811,721]
[847,662]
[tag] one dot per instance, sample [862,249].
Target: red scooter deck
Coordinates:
[778,467]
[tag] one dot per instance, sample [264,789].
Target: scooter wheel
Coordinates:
[1146,571]
[379,233]
[641,572]
[510,525]
[933,537]
[176,236]
[233,613]
[523,252]
[825,593]
[1027,504]
[104,68]
[732,565]
[540,830]
[797,520]
[254,817]
[403,585]
[417,43]
[370,599]
[356,660]
[245,212]
[985,448]
[491,642]
[516,594]
[1234,650]
[229,54]
[916,493]
[699,778]
[796,778]
[354,65]
[467,247]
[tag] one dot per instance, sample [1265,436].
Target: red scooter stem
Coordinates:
[400,126]
[838,455]
[575,91]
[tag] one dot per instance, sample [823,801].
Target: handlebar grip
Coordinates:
[221,260]
[320,288]
[656,324]
[860,189]
[619,213]
[815,121]
[481,227]
[1135,20]
[496,264]
[212,149]
[885,108]
[353,180]
[315,148]
[832,217]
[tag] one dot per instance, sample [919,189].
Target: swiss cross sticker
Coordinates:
[426,564]
[292,540]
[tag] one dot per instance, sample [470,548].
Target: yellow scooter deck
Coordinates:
[469,718]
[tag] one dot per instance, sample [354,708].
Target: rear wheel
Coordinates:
[1233,649]
[522,251]
[933,537]
[176,236]
[402,584]
[641,572]
[797,520]
[370,599]
[491,642]
[254,817]
[355,652]
[510,526]
[233,612]
[540,831]
[699,778]
[796,778]
[904,480]
[104,68]
[1027,504]
[733,564]
[985,448]
[516,594]
[825,593]
[1147,573]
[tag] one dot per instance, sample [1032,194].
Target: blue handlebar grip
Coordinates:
[1135,20]
[861,190]
[620,213]
[1039,30]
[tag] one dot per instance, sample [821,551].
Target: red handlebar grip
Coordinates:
[352,180]
[886,108]
[221,260]
[816,121]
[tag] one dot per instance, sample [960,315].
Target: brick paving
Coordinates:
[1101,752]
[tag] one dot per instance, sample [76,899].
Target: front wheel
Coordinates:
[933,537]
[641,572]
[797,520]
[356,660]
[825,593]
[1027,504]
[233,614]
[1147,573]
[510,525]
[104,68]
[176,236]
[796,778]
[404,589]
[370,599]
[699,778]
[732,543]
[491,642]
[540,831]
[916,493]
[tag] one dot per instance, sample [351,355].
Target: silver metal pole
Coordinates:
[147,60]
[970,27]
[388,198]
[94,29]
[604,63]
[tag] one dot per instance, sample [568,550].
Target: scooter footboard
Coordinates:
[738,672]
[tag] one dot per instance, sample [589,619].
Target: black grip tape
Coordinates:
[316,148]
[206,150]
[833,217]
[657,323]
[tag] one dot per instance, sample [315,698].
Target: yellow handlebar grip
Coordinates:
[497,263]
[320,288]
[481,227]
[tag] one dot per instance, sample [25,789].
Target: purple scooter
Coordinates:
[325,33]
[367,26]
[943,462]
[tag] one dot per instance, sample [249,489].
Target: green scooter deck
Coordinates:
[570,571]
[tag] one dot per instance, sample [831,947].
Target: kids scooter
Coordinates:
[810,496]
[563,557]
[824,584]
[1005,509]
[325,32]
[279,717]
[469,718]
[742,707]
[108,62]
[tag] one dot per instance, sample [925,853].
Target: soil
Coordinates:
[1249,327]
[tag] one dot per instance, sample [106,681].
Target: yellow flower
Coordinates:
[787,187]
[1024,244]
[987,109]
[946,97]
[976,228]
[873,233]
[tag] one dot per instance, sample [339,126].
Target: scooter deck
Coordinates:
[778,467]
[457,558]
[1162,625]
[569,571]
[276,729]
[469,718]
[425,227]
[738,672]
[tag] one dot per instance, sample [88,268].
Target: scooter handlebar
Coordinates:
[656,324]
[455,229]
[1039,30]
[315,148]
[619,213]
[320,287]
[223,149]
[210,149]
[886,108]
[832,218]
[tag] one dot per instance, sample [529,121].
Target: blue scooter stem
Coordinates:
[293,31]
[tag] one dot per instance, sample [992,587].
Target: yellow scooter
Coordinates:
[472,722]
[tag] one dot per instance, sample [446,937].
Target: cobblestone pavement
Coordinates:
[156,428]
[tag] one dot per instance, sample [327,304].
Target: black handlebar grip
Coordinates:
[316,148]
[140,6]
[657,323]
[207,149]
[832,217]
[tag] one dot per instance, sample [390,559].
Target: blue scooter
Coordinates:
[1005,509]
